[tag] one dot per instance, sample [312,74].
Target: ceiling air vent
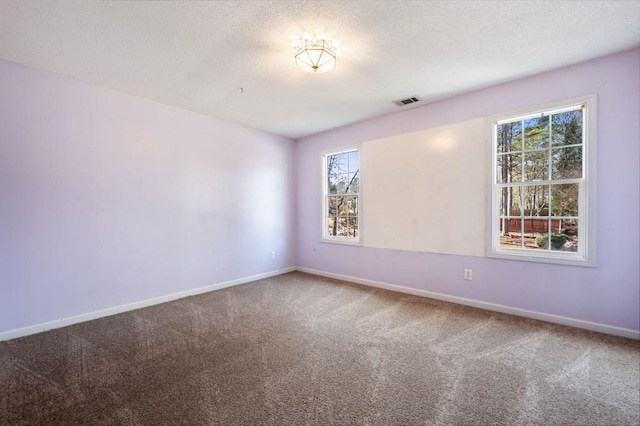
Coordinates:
[403,102]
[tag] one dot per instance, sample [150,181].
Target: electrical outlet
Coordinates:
[468,274]
[272,255]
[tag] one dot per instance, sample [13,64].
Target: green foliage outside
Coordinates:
[557,241]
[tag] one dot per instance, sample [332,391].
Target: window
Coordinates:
[341,187]
[543,184]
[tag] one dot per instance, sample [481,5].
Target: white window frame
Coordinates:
[325,237]
[586,254]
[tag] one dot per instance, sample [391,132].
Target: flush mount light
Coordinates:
[315,55]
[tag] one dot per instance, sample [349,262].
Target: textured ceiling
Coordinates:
[198,55]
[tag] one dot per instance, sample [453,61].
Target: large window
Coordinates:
[341,187]
[543,184]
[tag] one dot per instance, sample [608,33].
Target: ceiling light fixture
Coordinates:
[315,55]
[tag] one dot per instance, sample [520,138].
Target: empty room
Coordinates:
[319,212]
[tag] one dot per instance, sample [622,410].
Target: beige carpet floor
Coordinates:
[302,350]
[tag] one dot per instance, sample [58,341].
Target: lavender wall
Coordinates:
[608,294]
[108,199]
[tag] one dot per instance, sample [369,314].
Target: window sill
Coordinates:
[343,241]
[569,259]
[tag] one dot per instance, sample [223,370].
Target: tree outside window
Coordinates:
[341,192]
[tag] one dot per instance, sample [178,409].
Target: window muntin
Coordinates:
[540,186]
[341,188]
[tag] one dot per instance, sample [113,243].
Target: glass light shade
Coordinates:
[316,56]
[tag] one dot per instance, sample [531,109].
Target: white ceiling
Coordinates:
[198,55]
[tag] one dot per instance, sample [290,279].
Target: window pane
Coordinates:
[536,166]
[567,128]
[332,183]
[509,201]
[564,200]
[536,226]
[566,236]
[338,184]
[509,168]
[332,206]
[331,230]
[338,163]
[567,163]
[342,228]
[342,206]
[536,133]
[343,184]
[352,226]
[337,173]
[354,161]
[346,205]
[534,232]
[535,199]
[509,136]
[510,232]
[351,205]
[353,183]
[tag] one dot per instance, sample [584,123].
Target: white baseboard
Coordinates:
[572,322]
[63,322]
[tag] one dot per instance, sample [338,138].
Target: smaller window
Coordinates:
[340,196]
